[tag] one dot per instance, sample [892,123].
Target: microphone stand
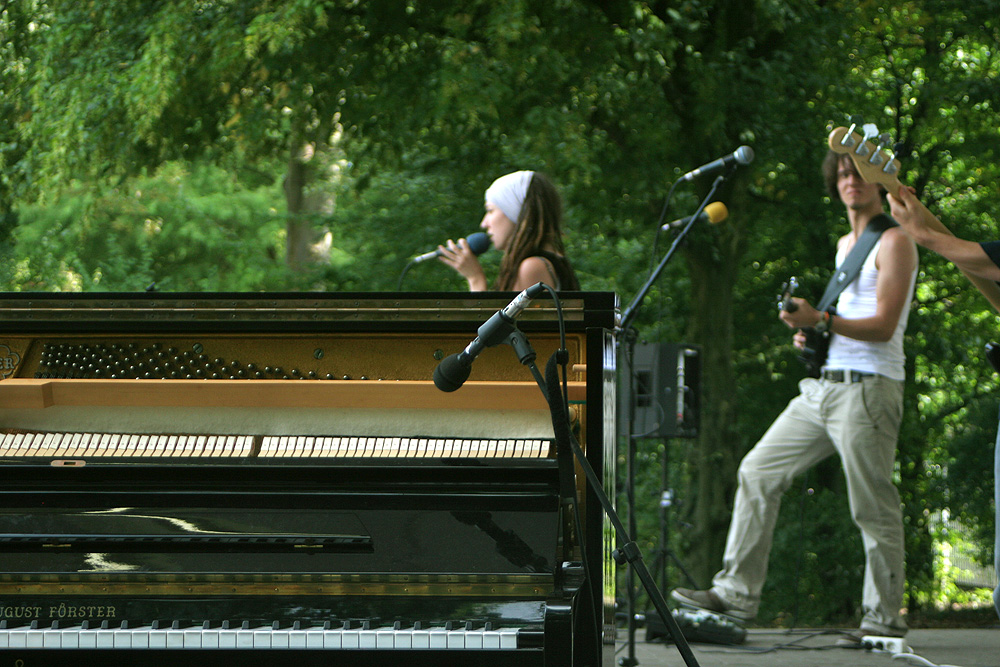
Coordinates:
[627,334]
[628,552]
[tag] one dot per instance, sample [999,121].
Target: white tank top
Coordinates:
[859,300]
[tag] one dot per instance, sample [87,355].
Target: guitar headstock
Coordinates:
[874,162]
[787,291]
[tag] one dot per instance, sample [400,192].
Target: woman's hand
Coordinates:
[459,257]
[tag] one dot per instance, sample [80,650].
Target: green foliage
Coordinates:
[144,139]
[180,229]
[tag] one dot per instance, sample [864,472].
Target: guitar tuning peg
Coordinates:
[855,121]
[883,142]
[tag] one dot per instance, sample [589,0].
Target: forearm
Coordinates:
[968,256]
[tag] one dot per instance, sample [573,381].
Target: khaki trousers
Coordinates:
[859,422]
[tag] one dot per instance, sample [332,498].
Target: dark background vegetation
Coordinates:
[319,144]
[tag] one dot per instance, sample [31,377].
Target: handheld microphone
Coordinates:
[714,213]
[454,370]
[741,156]
[478,244]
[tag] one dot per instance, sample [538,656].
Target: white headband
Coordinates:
[508,193]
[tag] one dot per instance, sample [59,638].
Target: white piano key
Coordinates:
[71,638]
[420,639]
[367,639]
[210,638]
[105,638]
[474,639]
[314,637]
[296,639]
[508,638]
[456,639]
[158,638]
[333,638]
[191,637]
[121,638]
[491,639]
[175,638]
[33,638]
[261,637]
[350,638]
[244,639]
[17,638]
[227,638]
[88,638]
[140,637]
[279,639]
[386,638]
[438,638]
[52,638]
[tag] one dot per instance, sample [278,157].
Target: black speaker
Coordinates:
[667,390]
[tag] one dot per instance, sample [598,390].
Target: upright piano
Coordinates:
[276,476]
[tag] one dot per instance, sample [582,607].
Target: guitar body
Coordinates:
[813,355]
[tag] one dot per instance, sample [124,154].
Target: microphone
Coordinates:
[741,156]
[714,213]
[454,370]
[478,244]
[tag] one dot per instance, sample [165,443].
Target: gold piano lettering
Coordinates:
[21,613]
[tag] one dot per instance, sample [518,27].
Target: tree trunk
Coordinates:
[299,235]
[713,268]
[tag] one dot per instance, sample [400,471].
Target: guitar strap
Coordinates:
[855,259]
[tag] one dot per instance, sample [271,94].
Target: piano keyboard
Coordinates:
[359,636]
[106,445]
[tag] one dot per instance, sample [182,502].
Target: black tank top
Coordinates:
[565,276]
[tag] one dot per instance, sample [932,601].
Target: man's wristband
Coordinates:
[824,321]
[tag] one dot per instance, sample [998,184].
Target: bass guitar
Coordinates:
[813,355]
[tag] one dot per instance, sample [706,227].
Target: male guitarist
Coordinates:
[980,262]
[853,410]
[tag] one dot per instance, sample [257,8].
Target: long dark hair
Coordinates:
[831,166]
[538,226]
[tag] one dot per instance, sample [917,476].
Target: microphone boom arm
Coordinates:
[630,312]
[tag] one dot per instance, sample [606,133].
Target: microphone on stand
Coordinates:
[714,213]
[478,244]
[454,370]
[741,156]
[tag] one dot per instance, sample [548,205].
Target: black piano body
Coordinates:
[276,476]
